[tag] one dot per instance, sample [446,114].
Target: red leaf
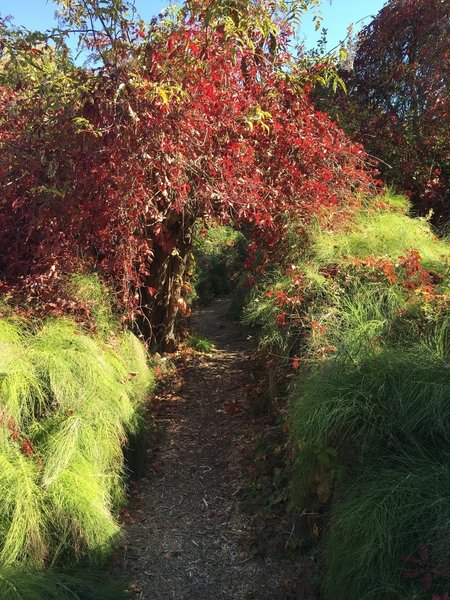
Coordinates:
[27,447]
[411,573]
[426,581]
[231,409]
[281,318]
[424,554]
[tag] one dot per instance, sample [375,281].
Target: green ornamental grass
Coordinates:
[18,583]
[382,233]
[370,401]
[69,402]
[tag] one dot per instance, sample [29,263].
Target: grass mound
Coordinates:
[69,401]
[382,233]
[359,321]
[386,514]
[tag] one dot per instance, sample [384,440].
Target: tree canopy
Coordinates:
[398,102]
[191,117]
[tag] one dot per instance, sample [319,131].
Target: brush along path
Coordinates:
[186,535]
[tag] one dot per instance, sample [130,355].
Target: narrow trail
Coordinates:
[186,536]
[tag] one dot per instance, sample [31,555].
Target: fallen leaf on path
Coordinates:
[231,409]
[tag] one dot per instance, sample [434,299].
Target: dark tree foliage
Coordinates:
[398,100]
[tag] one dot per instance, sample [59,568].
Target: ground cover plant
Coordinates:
[200,344]
[70,399]
[362,316]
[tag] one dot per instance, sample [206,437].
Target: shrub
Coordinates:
[396,104]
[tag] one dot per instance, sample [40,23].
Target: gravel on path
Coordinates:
[186,537]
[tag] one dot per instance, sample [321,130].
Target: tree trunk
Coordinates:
[162,291]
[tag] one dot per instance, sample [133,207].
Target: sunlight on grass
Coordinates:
[70,400]
[369,395]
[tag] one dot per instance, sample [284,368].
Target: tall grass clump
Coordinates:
[261,312]
[17,583]
[377,423]
[382,233]
[388,512]
[360,323]
[96,298]
[70,402]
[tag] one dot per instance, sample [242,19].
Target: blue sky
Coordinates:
[38,14]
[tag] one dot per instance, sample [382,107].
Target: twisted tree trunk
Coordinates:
[162,291]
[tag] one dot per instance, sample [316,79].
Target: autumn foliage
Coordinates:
[110,167]
[198,118]
[398,104]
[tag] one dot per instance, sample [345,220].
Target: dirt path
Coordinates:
[187,537]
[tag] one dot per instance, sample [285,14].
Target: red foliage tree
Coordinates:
[111,167]
[398,102]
